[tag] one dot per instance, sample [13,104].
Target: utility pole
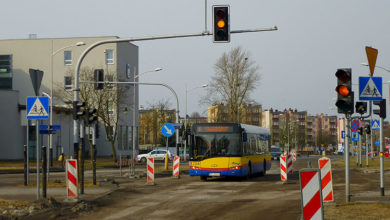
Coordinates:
[381,161]
[346,153]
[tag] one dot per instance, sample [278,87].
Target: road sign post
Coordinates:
[37,108]
[167,130]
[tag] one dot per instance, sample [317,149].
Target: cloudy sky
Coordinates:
[297,62]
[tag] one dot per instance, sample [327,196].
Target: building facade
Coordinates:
[57,58]
[287,127]
[249,114]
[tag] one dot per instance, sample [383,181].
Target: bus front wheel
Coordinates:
[203,178]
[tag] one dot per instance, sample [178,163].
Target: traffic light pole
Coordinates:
[371,134]
[367,149]
[76,88]
[360,149]
[346,154]
[381,159]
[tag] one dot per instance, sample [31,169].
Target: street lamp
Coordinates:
[185,116]
[134,115]
[366,64]
[51,95]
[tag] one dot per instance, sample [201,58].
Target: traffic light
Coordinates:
[361,130]
[368,129]
[361,107]
[221,23]
[382,108]
[78,110]
[91,117]
[99,77]
[345,96]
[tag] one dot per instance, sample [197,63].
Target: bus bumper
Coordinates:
[216,173]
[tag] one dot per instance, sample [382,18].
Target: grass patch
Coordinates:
[6,203]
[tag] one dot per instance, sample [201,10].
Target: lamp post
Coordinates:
[185,116]
[366,64]
[51,96]
[134,116]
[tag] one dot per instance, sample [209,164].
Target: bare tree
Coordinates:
[105,101]
[160,115]
[236,76]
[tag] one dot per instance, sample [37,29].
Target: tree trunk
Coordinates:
[113,151]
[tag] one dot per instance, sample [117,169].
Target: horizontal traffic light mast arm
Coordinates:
[76,88]
[86,51]
[254,30]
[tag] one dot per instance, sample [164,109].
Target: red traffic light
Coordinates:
[220,14]
[343,76]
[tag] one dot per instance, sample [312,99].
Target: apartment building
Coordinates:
[249,114]
[288,127]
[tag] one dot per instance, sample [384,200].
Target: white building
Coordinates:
[61,56]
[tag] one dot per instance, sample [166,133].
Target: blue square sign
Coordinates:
[37,108]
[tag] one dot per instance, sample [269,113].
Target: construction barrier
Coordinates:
[124,163]
[176,165]
[326,179]
[289,164]
[71,178]
[311,195]
[294,156]
[283,168]
[150,170]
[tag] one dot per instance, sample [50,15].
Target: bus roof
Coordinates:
[247,128]
[255,129]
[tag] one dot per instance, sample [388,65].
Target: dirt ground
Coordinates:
[224,198]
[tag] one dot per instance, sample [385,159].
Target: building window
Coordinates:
[109,56]
[67,58]
[5,71]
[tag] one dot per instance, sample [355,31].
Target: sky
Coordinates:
[296,63]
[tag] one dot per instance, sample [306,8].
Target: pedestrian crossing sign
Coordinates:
[370,88]
[37,108]
[375,125]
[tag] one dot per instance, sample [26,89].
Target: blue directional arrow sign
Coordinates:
[167,130]
[370,88]
[37,107]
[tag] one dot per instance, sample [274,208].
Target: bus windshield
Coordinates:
[208,145]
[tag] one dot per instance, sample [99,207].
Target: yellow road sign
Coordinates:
[372,54]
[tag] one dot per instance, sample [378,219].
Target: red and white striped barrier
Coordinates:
[311,196]
[125,163]
[283,168]
[150,170]
[326,178]
[294,156]
[71,178]
[289,164]
[176,165]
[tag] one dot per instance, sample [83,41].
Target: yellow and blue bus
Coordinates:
[229,149]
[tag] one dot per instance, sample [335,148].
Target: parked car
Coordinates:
[275,153]
[157,154]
